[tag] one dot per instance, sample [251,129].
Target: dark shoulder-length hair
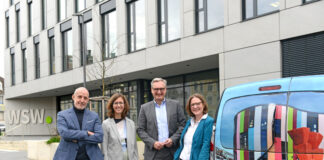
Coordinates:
[203,101]
[111,112]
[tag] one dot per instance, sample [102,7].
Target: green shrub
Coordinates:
[54,139]
[138,138]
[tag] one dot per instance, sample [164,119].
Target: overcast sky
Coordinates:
[2,38]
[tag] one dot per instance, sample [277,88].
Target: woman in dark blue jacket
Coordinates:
[195,137]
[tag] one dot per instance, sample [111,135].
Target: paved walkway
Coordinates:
[12,154]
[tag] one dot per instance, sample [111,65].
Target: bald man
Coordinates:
[80,130]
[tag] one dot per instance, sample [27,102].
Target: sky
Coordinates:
[2,40]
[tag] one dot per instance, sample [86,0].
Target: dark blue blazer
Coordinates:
[69,129]
[200,147]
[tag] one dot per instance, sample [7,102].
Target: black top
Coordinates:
[82,154]
[117,120]
[79,114]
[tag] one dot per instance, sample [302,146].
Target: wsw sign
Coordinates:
[26,116]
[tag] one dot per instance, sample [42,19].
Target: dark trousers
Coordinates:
[163,154]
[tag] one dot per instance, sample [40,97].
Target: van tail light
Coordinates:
[268,88]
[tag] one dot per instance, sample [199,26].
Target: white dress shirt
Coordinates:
[187,141]
[162,121]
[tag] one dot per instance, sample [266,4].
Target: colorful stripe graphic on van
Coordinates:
[263,129]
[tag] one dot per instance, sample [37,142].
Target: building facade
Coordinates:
[199,46]
[2,108]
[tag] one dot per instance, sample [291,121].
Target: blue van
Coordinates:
[281,119]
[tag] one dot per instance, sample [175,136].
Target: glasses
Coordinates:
[118,103]
[158,89]
[195,104]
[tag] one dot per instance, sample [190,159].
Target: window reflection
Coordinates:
[13,72]
[210,14]
[215,13]
[89,41]
[52,55]
[136,29]
[140,24]
[248,8]
[37,61]
[44,14]
[7,29]
[266,6]
[169,18]
[81,5]
[30,18]
[110,35]
[62,10]
[67,50]
[18,25]
[235,106]
[254,8]
[24,64]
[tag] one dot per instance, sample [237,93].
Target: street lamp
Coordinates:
[83,45]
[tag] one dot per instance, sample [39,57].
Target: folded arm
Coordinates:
[97,137]
[67,133]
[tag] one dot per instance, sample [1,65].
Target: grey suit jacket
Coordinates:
[111,145]
[147,126]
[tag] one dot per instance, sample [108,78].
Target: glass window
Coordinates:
[66,102]
[132,99]
[181,87]
[37,61]
[211,96]
[7,30]
[169,20]
[24,65]
[254,8]
[89,42]
[307,101]
[209,14]
[305,122]
[67,50]
[201,77]
[52,55]
[110,35]
[136,25]
[30,18]
[44,14]
[11,2]
[306,1]
[81,5]
[13,69]
[61,10]
[18,25]
[248,120]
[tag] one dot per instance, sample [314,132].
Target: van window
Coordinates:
[305,124]
[246,121]
[265,126]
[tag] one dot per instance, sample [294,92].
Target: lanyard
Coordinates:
[123,142]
